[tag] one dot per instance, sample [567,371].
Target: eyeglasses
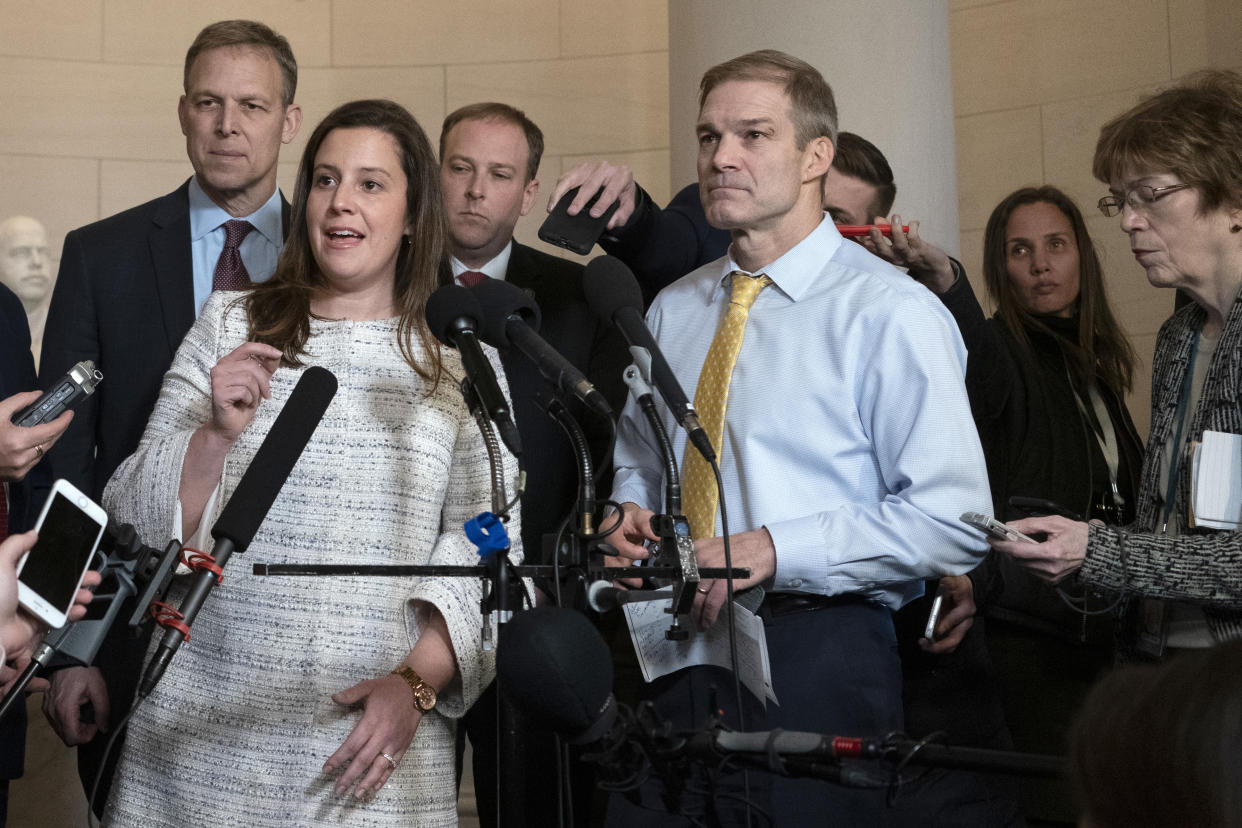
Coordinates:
[1139,198]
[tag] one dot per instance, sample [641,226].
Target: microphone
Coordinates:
[557,669]
[454,316]
[613,294]
[256,491]
[511,319]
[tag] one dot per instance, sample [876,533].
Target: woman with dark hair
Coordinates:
[1046,376]
[306,701]
[1173,165]
[1160,746]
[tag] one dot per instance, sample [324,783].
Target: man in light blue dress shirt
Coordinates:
[130,286]
[848,449]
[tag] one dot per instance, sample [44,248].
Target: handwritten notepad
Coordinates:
[658,656]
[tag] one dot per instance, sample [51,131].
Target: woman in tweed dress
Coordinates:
[284,708]
[1173,165]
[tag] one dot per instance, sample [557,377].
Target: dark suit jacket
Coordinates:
[597,350]
[17,374]
[125,299]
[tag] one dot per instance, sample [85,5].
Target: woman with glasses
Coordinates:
[1173,165]
[1047,377]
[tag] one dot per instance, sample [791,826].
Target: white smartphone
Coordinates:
[994,528]
[50,574]
[929,632]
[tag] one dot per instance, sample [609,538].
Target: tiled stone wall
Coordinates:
[1033,82]
[89,87]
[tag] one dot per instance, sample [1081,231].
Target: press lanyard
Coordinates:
[1175,460]
[1106,435]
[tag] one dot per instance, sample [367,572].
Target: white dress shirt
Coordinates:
[848,432]
[494,269]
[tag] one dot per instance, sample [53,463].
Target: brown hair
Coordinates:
[1160,746]
[1102,347]
[279,309]
[859,158]
[246,33]
[491,111]
[1193,130]
[812,105]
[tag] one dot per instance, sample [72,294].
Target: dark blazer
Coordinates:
[125,299]
[597,350]
[17,374]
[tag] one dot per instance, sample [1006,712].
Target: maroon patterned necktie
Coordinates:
[471,278]
[230,270]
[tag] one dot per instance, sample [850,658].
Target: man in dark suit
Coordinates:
[489,160]
[21,449]
[131,285]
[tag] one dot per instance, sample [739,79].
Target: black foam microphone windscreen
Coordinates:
[557,669]
[499,301]
[610,286]
[446,306]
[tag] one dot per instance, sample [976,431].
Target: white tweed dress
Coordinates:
[240,725]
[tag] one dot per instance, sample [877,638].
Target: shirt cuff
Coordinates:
[201,539]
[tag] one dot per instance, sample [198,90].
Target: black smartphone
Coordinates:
[577,233]
[67,392]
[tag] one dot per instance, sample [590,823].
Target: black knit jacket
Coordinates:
[1038,443]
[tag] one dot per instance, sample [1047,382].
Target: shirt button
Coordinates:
[795,583]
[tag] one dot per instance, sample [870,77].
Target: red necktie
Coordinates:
[230,271]
[471,278]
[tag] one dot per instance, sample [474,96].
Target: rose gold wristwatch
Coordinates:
[424,693]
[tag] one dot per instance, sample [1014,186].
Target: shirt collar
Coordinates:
[796,271]
[206,216]
[495,269]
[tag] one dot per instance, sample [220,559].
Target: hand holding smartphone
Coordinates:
[70,527]
[993,528]
[576,233]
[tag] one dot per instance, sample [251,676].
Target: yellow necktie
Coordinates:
[699,494]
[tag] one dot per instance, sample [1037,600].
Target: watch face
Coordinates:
[426,698]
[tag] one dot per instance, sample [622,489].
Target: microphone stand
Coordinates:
[675,547]
[503,592]
[641,742]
